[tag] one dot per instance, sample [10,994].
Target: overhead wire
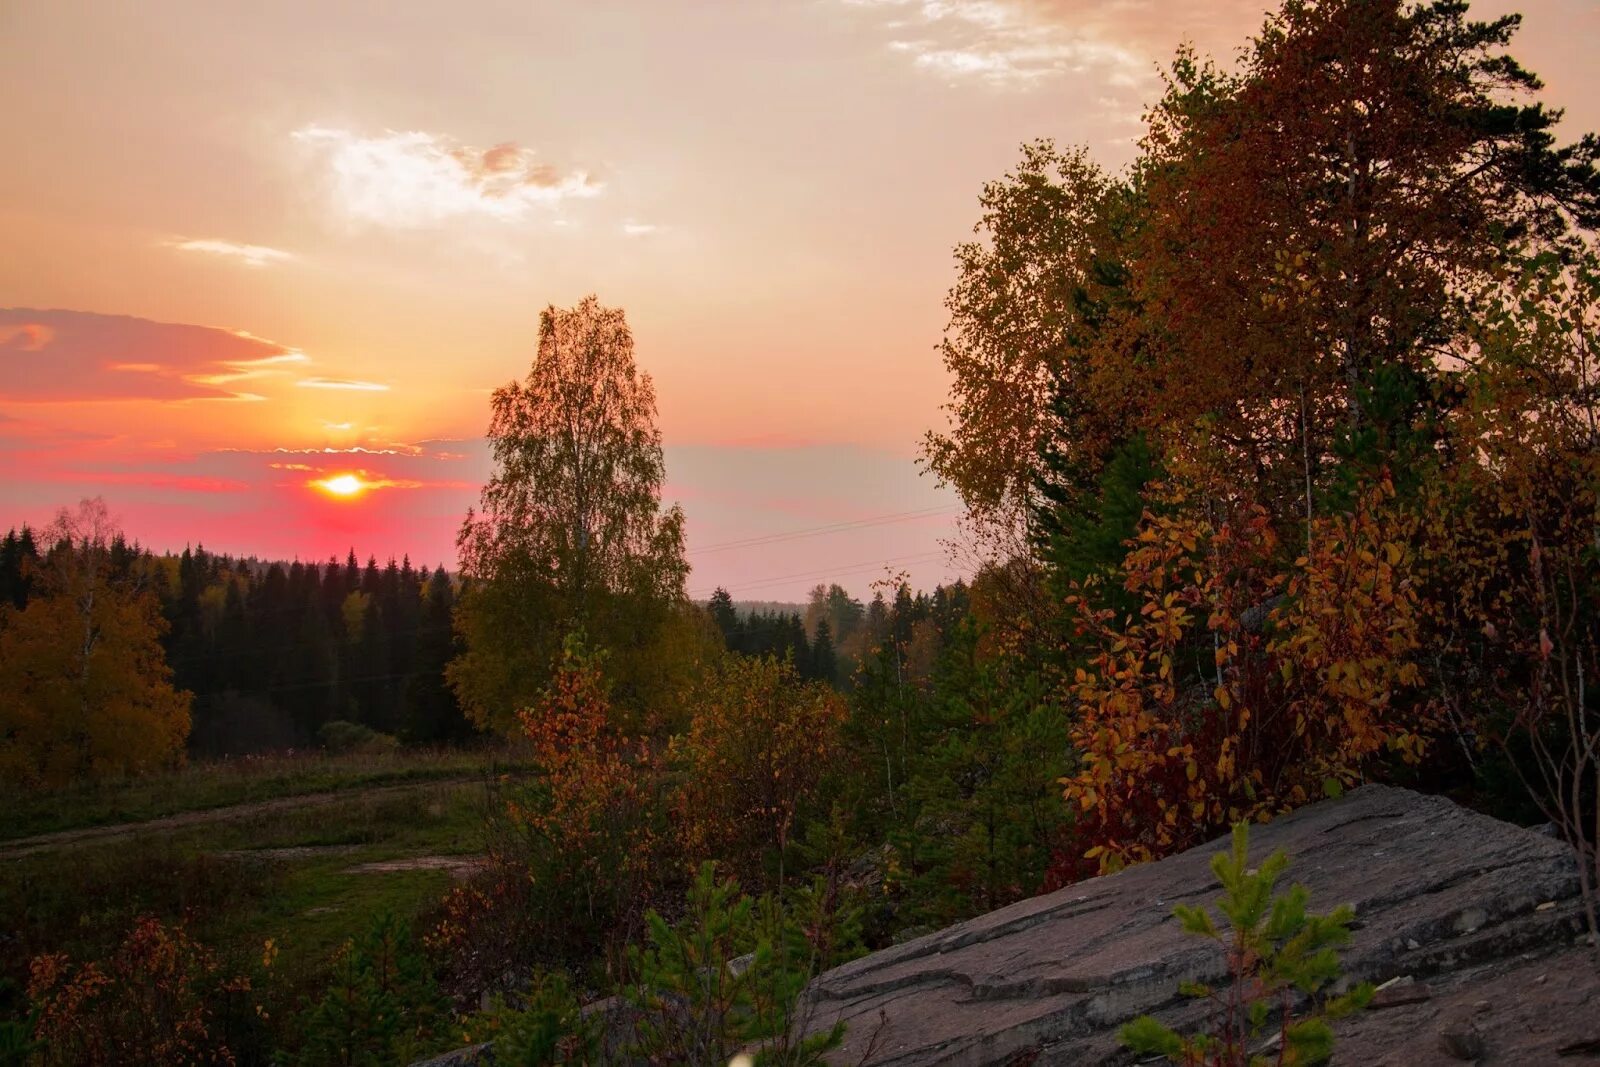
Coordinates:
[867,522]
[825,572]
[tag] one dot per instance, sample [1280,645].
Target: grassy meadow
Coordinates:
[204,786]
[295,874]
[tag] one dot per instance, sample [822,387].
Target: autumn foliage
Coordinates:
[1246,684]
[88,690]
[591,807]
[759,747]
[1299,409]
[160,998]
[573,851]
[570,533]
[579,853]
[1281,458]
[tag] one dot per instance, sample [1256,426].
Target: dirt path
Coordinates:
[460,867]
[24,846]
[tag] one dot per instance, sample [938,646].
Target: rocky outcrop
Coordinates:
[471,1056]
[1476,925]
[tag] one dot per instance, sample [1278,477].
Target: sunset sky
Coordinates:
[253,247]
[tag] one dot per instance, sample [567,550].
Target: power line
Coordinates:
[830,573]
[825,572]
[289,687]
[817,531]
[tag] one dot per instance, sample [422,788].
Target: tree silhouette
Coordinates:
[569,534]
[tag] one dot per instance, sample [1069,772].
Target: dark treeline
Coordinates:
[19,553]
[273,651]
[775,633]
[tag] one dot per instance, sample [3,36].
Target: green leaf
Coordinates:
[1351,1002]
[1149,1037]
[1195,921]
[1311,1040]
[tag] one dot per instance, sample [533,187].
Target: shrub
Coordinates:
[1246,685]
[160,998]
[573,853]
[758,748]
[548,1027]
[17,1026]
[340,737]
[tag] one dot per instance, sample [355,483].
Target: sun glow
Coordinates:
[342,485]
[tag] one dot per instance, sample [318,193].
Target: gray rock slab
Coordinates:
[471,1056]
[1474,909]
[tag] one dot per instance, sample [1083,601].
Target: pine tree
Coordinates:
[382,1006]
[824,664]
[19,557]
[432,713]
[725,616]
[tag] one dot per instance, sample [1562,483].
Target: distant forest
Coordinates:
[832,634]
[274,651]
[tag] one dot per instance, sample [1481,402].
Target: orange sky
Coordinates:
[272,231]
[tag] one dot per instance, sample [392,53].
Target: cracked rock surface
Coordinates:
[1481,918]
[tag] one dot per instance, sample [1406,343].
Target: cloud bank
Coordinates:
[56,355]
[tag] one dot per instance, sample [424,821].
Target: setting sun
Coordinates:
[342,485]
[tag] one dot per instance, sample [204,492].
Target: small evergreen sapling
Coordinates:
[381,1006]
[1277,954]
[700,1003]
[548,1026]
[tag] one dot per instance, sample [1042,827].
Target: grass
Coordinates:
[284,873]
[233,888]
[224,783]
[317,901]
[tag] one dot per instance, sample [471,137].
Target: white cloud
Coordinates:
[291,356]
[1014,44]
[415,179]
[249,255]
[631,228]
[342,383]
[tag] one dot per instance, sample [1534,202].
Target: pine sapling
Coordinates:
[1281,960]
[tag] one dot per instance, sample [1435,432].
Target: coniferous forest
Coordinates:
[1279,455]
[273,652]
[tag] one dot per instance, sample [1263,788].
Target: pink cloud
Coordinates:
[59,355]
[25,336]
[183,483]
